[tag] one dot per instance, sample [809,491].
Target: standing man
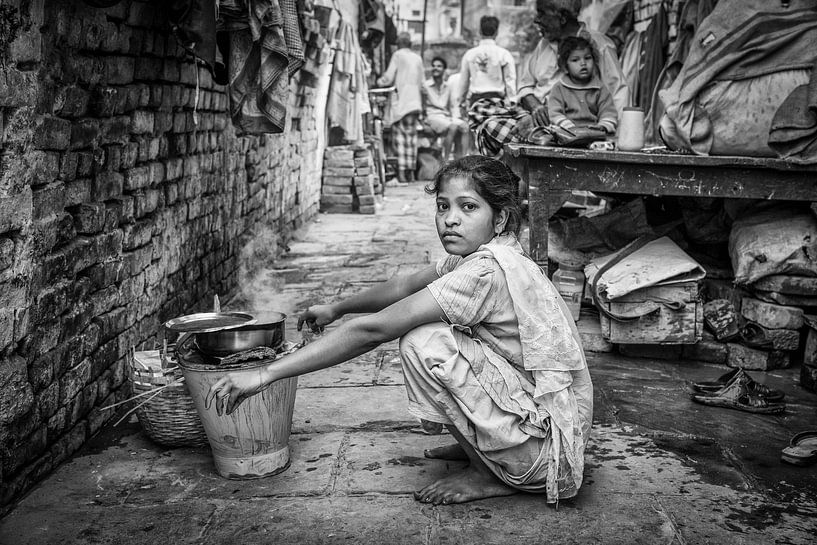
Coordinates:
[442,112]
[488,78]
[406,73]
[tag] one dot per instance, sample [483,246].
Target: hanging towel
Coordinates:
[264,48]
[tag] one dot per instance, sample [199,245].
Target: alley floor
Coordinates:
[659,468]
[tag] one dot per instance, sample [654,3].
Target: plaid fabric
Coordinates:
[492,123]
[404,140]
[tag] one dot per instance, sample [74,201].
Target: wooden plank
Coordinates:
[645,159]
[664,180]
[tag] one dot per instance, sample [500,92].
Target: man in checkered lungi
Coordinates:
[404,139]
[496,122]
[407,73]
[488,78]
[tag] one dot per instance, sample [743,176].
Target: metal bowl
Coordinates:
[268,330]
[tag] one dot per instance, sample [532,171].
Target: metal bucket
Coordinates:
[253,441]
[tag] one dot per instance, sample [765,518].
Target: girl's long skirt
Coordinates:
[455,380]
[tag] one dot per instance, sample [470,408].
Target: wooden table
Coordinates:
[551,173]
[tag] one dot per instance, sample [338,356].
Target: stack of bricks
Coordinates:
[349,183]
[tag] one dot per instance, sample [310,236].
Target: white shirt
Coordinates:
[487,68]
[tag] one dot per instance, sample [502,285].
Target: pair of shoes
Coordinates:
[802,449]
[739,393]
[708,387]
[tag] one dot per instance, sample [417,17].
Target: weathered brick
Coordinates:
[770,315]
[89,218]
[71,101]
[337,189]
[146,202]
[138,96]
[68,166]
[751,358]
[48,200]
[137,178]
[82,403]
[147,68]
[85,163]
[162,121]
[74,380]
[48,400]
[16,395]
[136,234]
[84,133]
[337,199]
[6,328]
[18,88]
[116,38]
[107,185]
[119,70]
[75,321]
[114,130]
[16,210]
[52,133]
[141,122]
[130,153]
[6,253]
[78,191]
[108,101]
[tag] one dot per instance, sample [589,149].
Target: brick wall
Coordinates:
[117,210]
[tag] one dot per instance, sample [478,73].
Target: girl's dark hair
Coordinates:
[493,181]
[570,44]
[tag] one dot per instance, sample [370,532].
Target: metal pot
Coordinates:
[268,330]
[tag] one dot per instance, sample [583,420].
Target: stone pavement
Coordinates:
[659,469]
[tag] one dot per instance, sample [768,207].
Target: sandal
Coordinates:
[802,449]
[754,387]
[738,395]
[539,136]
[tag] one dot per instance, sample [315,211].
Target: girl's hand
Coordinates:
[232,389]
[317,317]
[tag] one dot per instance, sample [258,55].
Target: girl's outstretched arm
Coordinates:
[350,339]
[373,299]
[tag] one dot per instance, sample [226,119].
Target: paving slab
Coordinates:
[329,409]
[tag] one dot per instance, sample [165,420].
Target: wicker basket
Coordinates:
[168,416]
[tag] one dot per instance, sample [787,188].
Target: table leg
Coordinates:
[543,203]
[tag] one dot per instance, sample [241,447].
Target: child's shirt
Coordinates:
[571,105]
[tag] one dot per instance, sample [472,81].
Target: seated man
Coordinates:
[442,112]
[557,20]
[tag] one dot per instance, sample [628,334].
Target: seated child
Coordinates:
[579,98]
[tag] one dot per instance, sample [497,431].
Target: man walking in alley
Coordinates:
[406,73]
[488,79]
[443,113]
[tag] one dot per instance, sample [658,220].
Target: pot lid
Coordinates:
[207,322]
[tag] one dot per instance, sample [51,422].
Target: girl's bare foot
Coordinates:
[466,485]
[448,452]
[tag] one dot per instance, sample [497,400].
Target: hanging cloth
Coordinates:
[264,47]
[653,56]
